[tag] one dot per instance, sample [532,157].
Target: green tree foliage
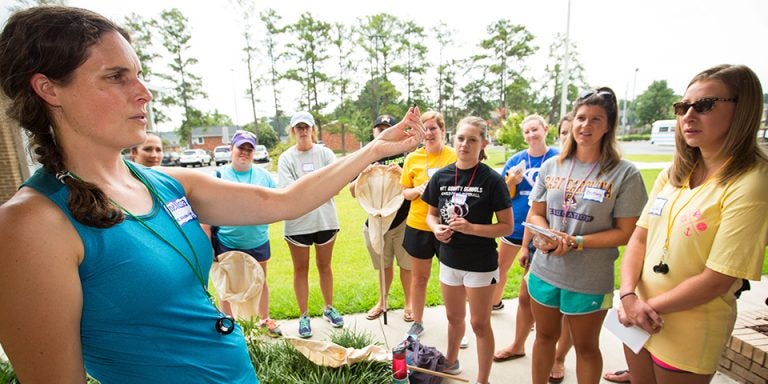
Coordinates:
[654,104]
[377,37]
[24,4]
[414,65]
[270,18]
[142,40]
[266,135]
[510,134]
[504,51]
[199,118]
[378,97]
[444,37]
[309,53]
[553,85]
[186,86]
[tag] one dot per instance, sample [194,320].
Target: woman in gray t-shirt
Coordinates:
[590,199]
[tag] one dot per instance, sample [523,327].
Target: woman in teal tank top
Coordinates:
[104,265]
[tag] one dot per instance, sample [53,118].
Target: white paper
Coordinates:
[633,337]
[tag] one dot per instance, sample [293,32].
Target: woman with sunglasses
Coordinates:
[104,266]
[463,199]
[702,231]
[590,199]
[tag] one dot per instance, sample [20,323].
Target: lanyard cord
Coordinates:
[439,159]
[196,269]
[673,215]
[567,202]
[530,164]
[456,178]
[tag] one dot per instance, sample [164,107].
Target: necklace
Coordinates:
[662,267]
[224,324]
[530,164]
[459,199]
[570,199]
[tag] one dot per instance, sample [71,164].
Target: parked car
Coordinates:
[194,157]
[222,154]
[663,132]
[170,159]
[260,154]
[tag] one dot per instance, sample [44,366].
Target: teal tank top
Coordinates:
[145,316]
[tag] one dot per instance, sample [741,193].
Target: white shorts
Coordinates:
[457,277]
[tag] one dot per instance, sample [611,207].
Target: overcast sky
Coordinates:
[663,39]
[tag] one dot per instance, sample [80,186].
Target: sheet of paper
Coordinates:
[633,337]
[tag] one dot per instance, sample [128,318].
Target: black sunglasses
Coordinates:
[702,105]
[600,92]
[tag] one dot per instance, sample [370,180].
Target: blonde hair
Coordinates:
[740,142]
[537,118]
[481,125]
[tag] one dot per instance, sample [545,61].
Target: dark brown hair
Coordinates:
[605,98]
[53,41]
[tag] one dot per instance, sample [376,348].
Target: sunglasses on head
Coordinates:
[604,93]
[702,105]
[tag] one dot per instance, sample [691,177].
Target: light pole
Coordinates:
[634,85]
[564,89]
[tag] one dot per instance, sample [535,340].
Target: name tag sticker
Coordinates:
[459,198]
[308,167]
[594,194]
[658,206]
[181,210]
[431,171]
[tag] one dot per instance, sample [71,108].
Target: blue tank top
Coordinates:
[145,316]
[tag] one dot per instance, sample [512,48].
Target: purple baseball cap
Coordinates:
[242,137]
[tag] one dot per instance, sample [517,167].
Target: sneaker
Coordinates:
[454,369]
[464,344]
[416,330]
[333,316]
[498,307]
[305,330]
[273,330]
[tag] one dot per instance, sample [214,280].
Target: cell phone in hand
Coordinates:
[541,231]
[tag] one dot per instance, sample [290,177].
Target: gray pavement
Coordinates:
[515,371]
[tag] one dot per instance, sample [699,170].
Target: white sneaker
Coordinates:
[464,344]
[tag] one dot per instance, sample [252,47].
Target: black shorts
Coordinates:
[261,253]
[420,244]
[317,238]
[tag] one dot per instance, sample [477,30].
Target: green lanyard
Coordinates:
[196,269]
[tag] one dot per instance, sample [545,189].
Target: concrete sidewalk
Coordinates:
[514,371]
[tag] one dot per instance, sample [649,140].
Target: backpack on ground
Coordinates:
[424,356]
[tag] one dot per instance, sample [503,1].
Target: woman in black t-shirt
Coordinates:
[463,198]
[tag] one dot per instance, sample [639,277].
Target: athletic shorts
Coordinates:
[569,302]
[457,277]
[317,238]
[393,248]
[420,244]
[261,253]
[517,242]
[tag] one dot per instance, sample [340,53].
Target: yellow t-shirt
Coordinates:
[720,227]
[417,169]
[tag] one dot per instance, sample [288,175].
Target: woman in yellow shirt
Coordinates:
[702,231]
[419,241]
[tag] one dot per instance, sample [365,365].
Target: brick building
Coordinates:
[13,165]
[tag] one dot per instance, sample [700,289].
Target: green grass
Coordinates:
[655,158]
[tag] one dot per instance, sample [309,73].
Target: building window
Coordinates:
[198,140]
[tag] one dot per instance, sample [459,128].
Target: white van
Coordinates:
[663,132]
